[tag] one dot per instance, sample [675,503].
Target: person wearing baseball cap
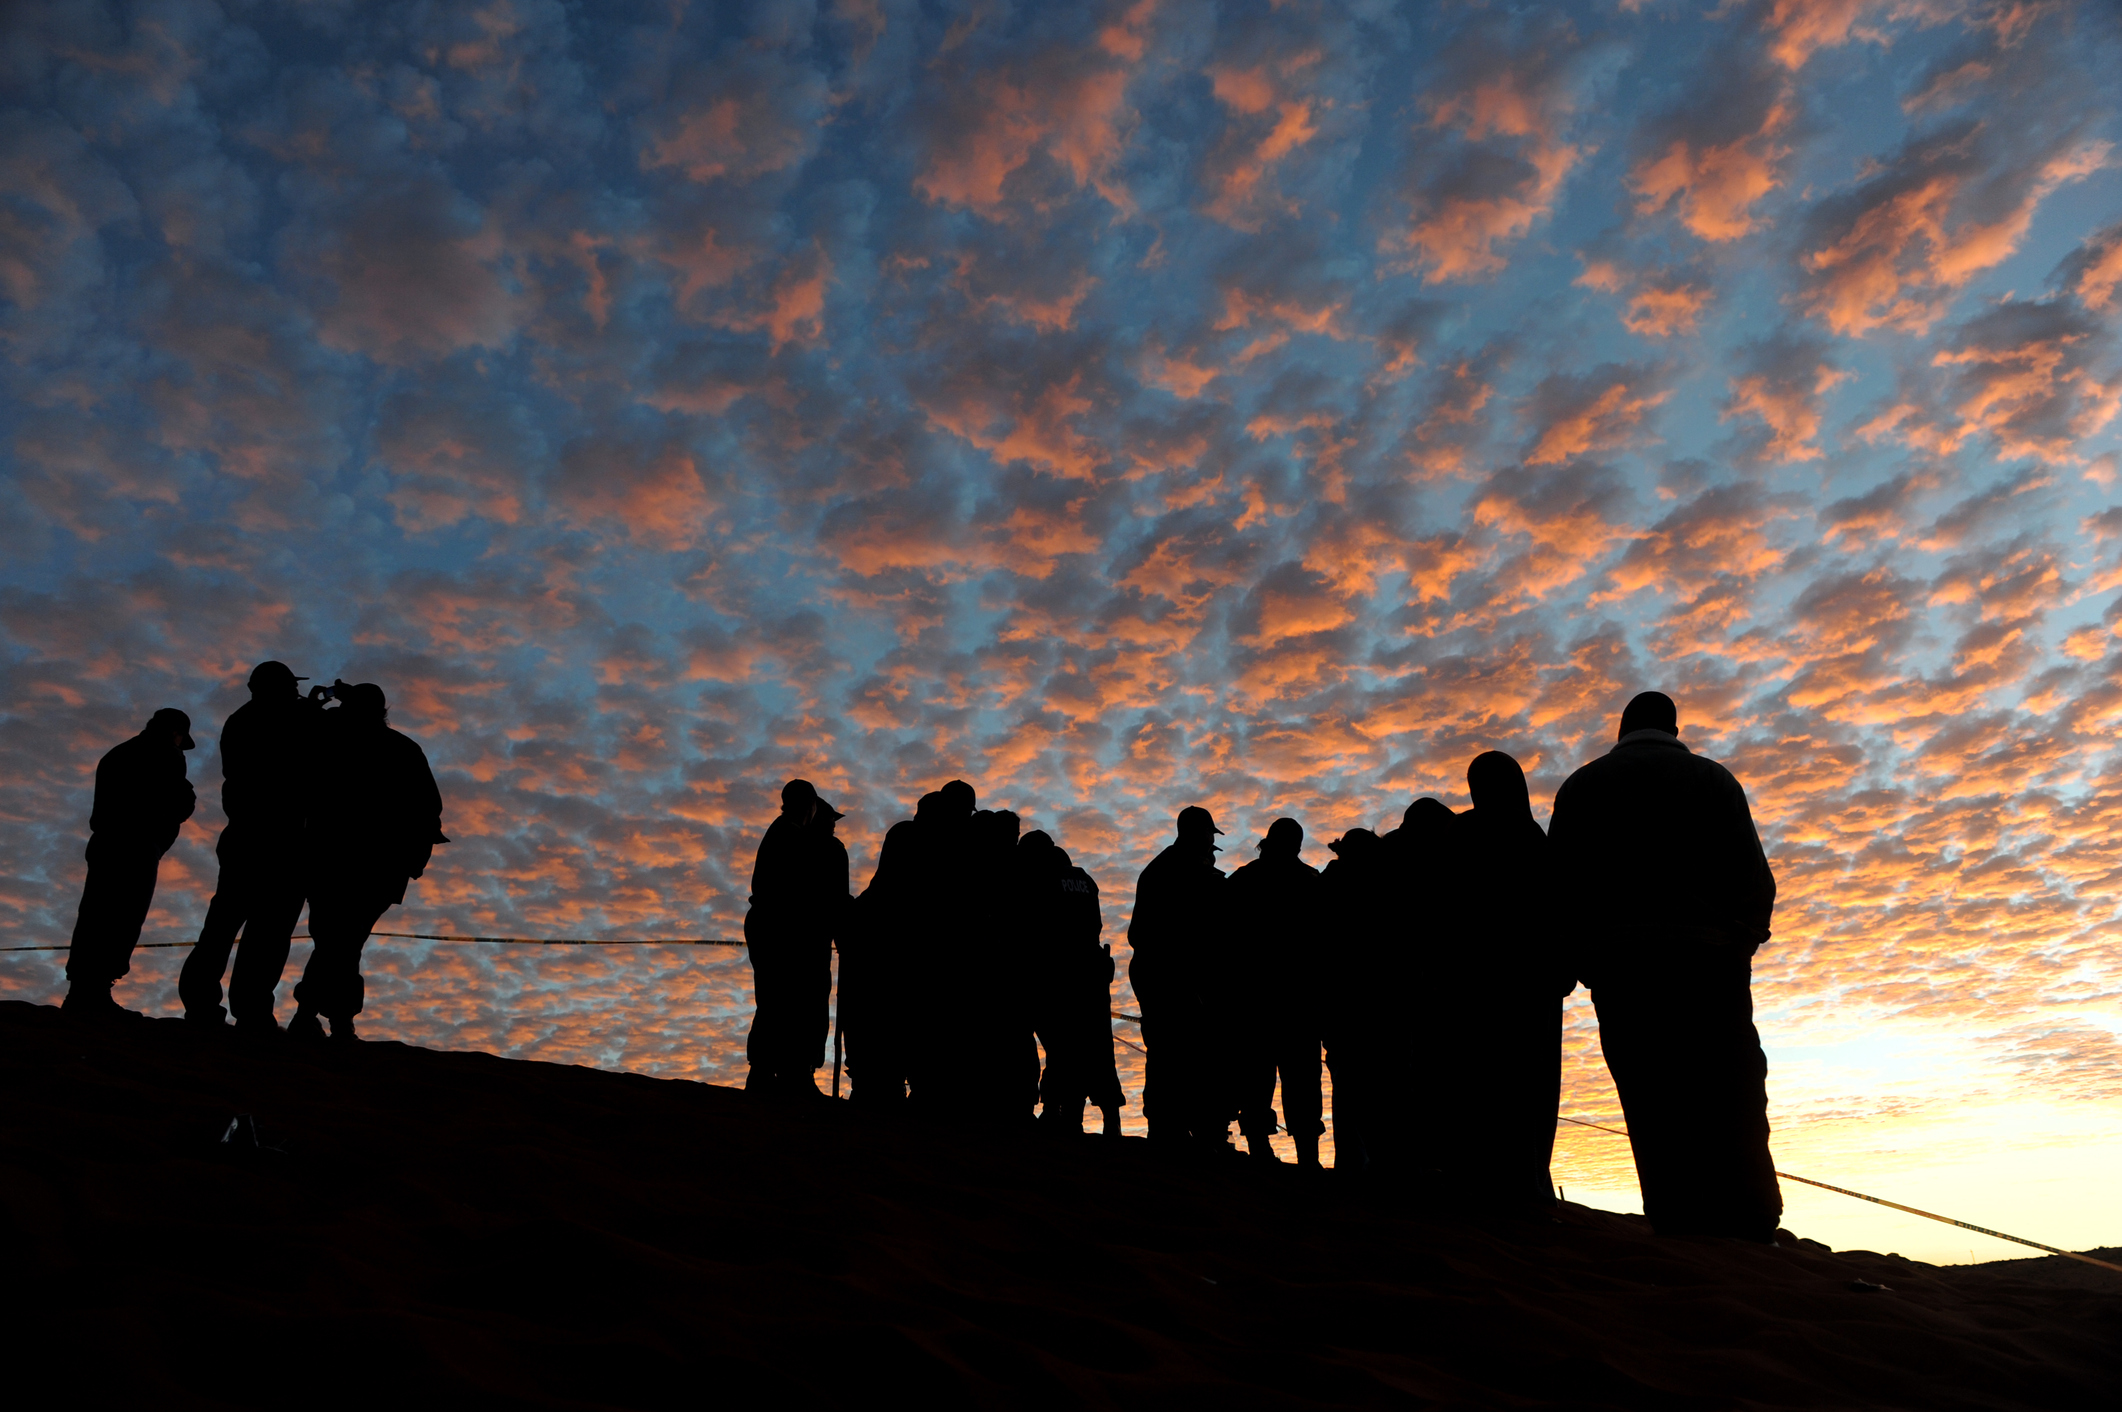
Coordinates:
[799,902]
[1175,932]
[1276,907]
[142,800]
[268,748]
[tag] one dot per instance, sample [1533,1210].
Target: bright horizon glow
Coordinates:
[1120,407]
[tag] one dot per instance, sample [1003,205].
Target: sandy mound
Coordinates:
[456,1226]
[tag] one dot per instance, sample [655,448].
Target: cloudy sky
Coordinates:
[1121,407]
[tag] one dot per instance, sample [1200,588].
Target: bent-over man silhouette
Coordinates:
[1668,891]
[372,828]
[1175,930]
[1276,910]
[267,750]
[799,903]
[142,800]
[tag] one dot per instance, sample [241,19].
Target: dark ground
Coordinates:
[489,1232]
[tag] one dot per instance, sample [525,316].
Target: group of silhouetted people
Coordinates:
[327,806]
[1424,969]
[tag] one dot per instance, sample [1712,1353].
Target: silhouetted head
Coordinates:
[958,798]
[1007,825]
[1198,826]
[1651,711]
[1427,820]
[1036,844]
[273,680]
[1284,838]
[363,702]
[826,816]
[173,724]
[1497,785]
[798,798]
[1353,845]
[930,808]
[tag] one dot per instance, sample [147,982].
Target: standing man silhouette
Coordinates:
[142,800]
[1277,909]
[799,904]
[1175,931]
[1666,887]
[266,751]
[373,826]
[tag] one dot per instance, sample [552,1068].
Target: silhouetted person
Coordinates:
[1667,894]
[1419,874]
[987,1074]
[799,903]
[1500,979]
[142,800]
[878,992]
[1071,985]
[954,1054]
[267,752]
[374,823]
[1176,932]
[1354,1014]
[1276,912]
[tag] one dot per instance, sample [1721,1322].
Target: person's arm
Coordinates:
[1754,882]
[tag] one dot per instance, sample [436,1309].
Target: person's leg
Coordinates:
[115,898]
[1302,1101]
[762,1042]
[261,959]
[810,1015]
[199,983]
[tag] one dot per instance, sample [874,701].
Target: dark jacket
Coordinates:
[1177,922]
[268,754]
[1275,907]
[1656,846]
[378,813]
[142,796]
[799,882]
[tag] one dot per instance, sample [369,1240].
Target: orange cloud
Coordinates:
[1069,107]
[1716,187]
[1899,252]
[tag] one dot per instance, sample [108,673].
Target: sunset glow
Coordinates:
[1121,407]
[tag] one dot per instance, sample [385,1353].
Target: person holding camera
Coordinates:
[372,828]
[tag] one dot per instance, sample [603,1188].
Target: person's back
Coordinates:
[1173,933]
[1276,914]
[141,801]
[1665,882]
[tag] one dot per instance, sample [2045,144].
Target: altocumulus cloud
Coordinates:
[1122,406]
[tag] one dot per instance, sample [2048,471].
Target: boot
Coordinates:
[92,1003]
[304,1028]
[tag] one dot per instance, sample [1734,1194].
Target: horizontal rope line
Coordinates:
[432,936]
[1911,1210]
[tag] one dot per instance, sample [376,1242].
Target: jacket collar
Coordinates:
[1650,736]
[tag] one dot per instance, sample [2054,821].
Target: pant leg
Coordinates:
[761,1046]
[1297,1061]
[115,897]
[262,958]
[1688,1065]
[810,1006]
[199,983]
[331,983]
